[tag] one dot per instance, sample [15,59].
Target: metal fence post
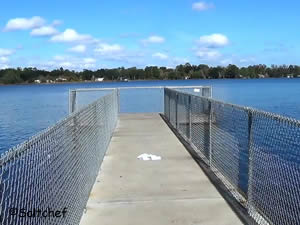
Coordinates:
[210,133]
[165,103]
[169,110]
[249,189]
[190,118]
[176,115]
[118,93]
[72,101]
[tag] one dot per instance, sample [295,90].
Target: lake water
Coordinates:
[28,109]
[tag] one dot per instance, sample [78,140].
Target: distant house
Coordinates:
[37,81]
[261,76]
[61,79]
[99,79]
[49,81]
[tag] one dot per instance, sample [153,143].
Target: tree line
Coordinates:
[186,71]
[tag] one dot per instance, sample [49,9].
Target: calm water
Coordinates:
[28,109]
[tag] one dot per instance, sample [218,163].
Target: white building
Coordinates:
[99,79]
[61,79]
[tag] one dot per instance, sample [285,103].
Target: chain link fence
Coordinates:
[56,169]
[255,154]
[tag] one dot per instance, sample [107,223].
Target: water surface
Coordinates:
[28,109]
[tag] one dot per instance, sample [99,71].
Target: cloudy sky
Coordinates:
[94,33]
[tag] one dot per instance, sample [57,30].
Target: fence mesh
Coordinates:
[57,168]
[200,125]
[275,168]
[255,154]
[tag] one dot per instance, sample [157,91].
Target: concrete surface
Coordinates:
[135,192]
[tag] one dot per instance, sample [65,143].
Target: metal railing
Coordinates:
[132,99]
[254,153]
[56,169]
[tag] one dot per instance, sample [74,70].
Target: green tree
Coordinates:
[11,77]
[232,71]
[216,72]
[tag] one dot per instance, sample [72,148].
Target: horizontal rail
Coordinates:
[149,87]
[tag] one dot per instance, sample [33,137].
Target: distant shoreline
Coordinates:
[59,83]
[115,81]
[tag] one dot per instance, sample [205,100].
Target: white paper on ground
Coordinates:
[196,90]
[147,157]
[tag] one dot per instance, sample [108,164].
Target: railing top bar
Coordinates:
[245,108]
[200,86]
[93,89]
[144,87]
[18,149]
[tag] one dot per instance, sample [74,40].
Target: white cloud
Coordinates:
[116,52]
[202,6]
[207,54]
[6,52]
[107,49]
[213,41]
[154,40]
[3,66]
[24,23]
[87,66]
[208,45]
[60,58]
[226,62]
[70,35]
[88,63]
[160,55]
[179,60]
[4,59]
[89,60]
[247,60]
[56,23]
[44,31]
[66,64]
[70,62]
[78,49]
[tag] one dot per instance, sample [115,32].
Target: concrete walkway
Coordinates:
[171,191]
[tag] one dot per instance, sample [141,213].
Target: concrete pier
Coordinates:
[173,190]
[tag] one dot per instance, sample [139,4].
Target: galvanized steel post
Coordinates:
[190,118]
[118,94]
[210,133]
[176,115]
[72,101]
[169,106]
[249,189]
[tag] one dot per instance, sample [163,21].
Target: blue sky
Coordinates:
[93,33]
